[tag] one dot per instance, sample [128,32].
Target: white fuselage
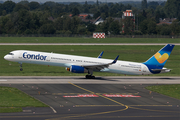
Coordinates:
[63,60]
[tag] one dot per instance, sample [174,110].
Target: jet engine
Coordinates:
[77,69]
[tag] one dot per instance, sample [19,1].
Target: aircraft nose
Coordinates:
[5,57]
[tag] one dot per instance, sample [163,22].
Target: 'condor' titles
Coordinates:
[32,56]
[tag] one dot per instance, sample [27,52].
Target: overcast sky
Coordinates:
[82,0]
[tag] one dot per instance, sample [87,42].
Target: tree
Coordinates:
[9,27]
[50,4]
[128,25]
[104,8]
[144,4]
[1,8]
[151,27]
[75,11]
[143,26]
[23,22]
[97,3]
[9,6]
[56,11]
[58,23]
[105,27]
[163,29]
[91,27]
[97,14]
[144,14]
[86,7]
[175,27]
[153,5]
[44,17]
[35,21]
[23,2]
[86,10]
[81,29]
[27,31]
[74,24]
[114,28]
[66,23]
[160,11]
[20,7]
[47,29]
[88,17]
[103,16]
[172,8]
[33,5]
[3,21]
[4,12]
[128,6]
[157,16]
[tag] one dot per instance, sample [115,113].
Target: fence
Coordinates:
[89,36]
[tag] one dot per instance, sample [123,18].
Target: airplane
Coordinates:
[81,64]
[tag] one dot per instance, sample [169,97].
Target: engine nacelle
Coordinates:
[77,69]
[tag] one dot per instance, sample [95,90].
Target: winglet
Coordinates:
[115,60]
[100,55]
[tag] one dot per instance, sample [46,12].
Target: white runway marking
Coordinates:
[3,80]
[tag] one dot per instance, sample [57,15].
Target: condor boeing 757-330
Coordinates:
[80,64]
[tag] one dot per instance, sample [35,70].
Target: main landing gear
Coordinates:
[91,74]
[21,69]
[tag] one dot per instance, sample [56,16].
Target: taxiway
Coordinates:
[93,99]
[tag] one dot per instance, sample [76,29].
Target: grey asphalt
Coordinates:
[149,106]
[82,80]
[87,43]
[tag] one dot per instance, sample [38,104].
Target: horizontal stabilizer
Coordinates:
[161,70]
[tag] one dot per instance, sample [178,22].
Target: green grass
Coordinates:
[10,109]
[169,90]
[12,100]
[85,40]
[127,53]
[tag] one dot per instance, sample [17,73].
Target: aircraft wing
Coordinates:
[100,66]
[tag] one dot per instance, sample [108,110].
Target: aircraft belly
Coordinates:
[121,71]
[46,63]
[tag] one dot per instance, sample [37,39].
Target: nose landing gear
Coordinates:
[21,69]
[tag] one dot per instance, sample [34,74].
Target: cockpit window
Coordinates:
[10,54]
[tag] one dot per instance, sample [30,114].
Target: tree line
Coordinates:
[53,18]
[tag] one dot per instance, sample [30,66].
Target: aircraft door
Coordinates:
[20,55]
[48,58]
[144,69]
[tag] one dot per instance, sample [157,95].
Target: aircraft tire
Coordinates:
[90,77]
[93,77]
[87,76]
